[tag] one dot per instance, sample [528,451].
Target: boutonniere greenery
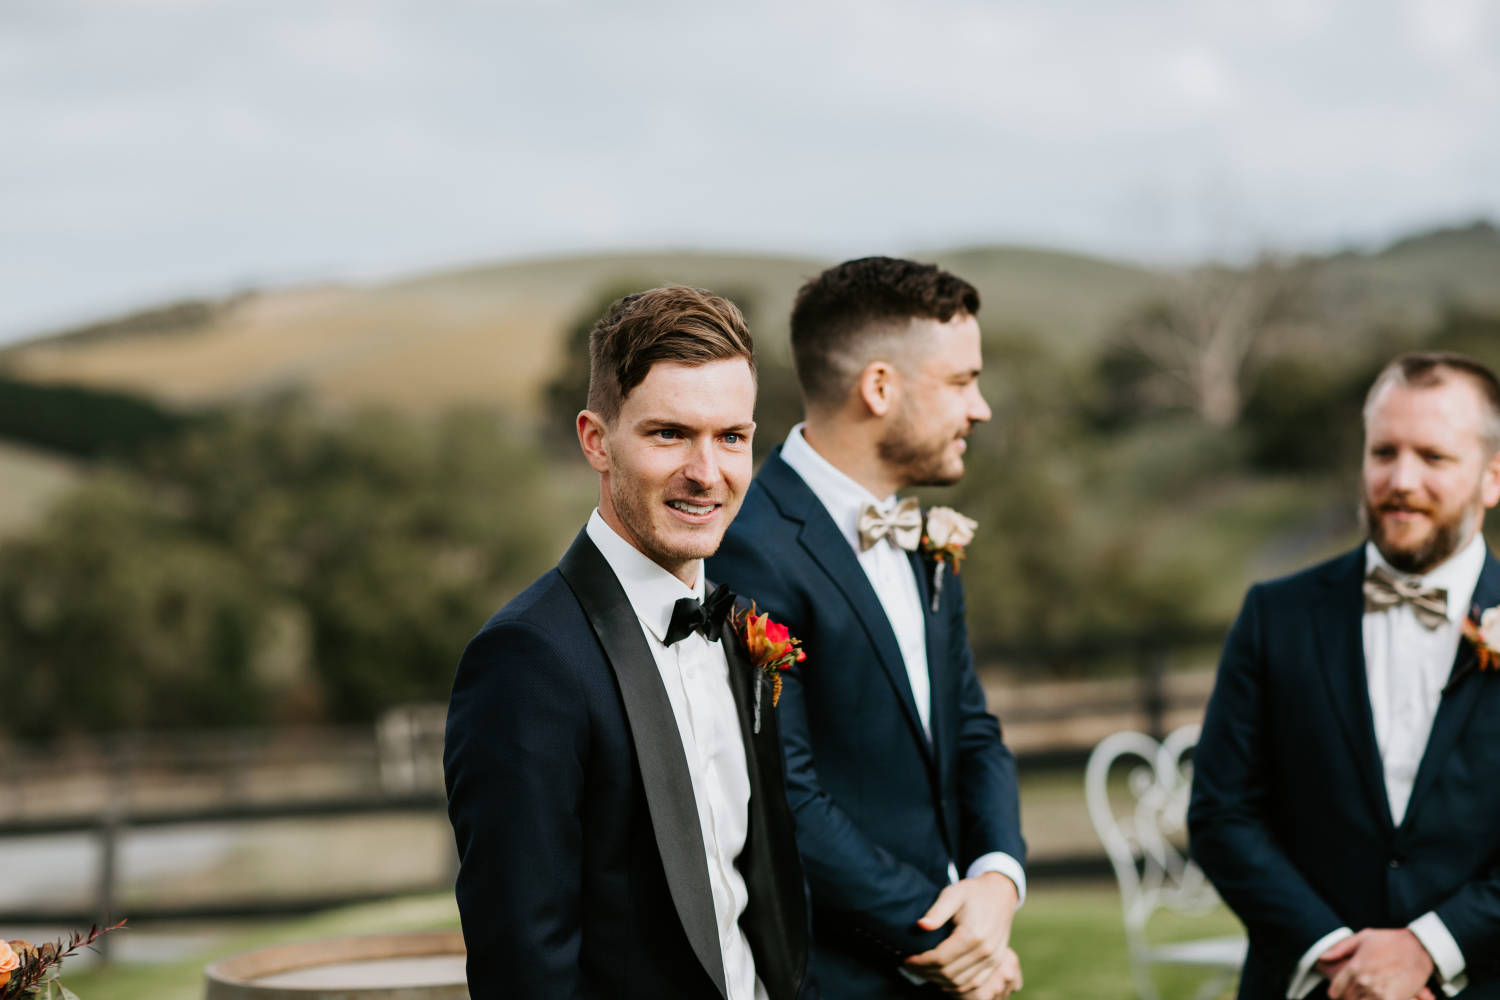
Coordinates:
[771,647]
[1482,629]
[945,533]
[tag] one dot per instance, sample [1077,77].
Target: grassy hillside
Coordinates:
[1069,301]
[491,334]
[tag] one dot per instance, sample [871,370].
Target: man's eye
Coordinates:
[733,438]
[669,433]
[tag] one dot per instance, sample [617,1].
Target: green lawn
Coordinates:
[1069,940]
[1072,947]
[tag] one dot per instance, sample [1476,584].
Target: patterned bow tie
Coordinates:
[1383,589]
[902,527]
[689,616]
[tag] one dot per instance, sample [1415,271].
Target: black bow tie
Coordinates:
[689,615]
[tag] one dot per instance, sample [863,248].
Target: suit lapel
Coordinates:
[769,862]
[1459,699]
[828,547]
[939,660]
[1337,622]
[658,747]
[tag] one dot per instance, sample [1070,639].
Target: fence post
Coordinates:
[1153,668]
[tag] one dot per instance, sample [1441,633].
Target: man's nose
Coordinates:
[703,464]
[1406,473]
[979,410]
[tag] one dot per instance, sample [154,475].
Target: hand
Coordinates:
[999,984]
[1378,965]
[981,909]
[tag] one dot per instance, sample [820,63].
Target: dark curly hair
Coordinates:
[851,310]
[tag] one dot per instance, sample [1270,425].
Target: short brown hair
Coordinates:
[678,324]
[843,313]
[1425,369]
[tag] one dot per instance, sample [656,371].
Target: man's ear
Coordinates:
[1489,481]
[879,385]
[592,435]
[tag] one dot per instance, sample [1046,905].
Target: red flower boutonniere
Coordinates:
[1483,631]
[771,646]
[944,536]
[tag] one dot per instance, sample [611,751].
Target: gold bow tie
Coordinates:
[1383,589]
[902,527]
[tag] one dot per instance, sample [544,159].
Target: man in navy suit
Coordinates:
[1346,796]
[617,794]
[896,772]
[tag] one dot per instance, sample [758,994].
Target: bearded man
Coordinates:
[1345,796]
[896,771]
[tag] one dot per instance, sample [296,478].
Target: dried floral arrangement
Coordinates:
[29,971]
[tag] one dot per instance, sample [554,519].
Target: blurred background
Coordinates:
[292,315]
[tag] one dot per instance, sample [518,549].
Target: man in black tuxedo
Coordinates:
[1346,795]
[896,772]
[616,791]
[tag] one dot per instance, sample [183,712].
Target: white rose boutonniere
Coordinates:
[945,533]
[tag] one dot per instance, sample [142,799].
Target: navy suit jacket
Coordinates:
[880,811]
[582,872]
[1289,815]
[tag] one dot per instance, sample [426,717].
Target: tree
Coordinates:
[281,564]
[1200,346]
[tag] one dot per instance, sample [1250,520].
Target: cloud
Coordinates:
[158,147]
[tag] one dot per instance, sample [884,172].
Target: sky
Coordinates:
[156,149]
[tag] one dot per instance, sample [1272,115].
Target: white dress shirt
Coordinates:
[890,574]
[1407,665]
[696,675]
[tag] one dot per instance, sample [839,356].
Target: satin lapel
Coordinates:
[939,662]
[743,681]
[769,862]
[1338,624]
[828,547]
[1459,700]
[658,747]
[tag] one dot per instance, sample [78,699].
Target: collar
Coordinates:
[651,590]
[1458,575]
[842,496]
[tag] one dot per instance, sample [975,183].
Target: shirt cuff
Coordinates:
[1307,975]
[1446,955]
[1004,864]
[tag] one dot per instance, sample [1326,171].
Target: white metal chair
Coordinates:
[1153,872]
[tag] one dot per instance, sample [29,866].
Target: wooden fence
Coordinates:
[107,789]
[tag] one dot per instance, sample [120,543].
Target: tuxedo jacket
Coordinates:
[1289,814]
[880,811]
[582,871]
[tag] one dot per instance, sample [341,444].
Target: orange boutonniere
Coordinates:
[771,646]
[944,536]
[1483,632]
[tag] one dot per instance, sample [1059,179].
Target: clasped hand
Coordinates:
[975,960]
[1378,965]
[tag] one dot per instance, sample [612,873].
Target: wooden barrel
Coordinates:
[425,966]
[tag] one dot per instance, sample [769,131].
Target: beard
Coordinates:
[1441,542]
[918,456]
[661,540]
